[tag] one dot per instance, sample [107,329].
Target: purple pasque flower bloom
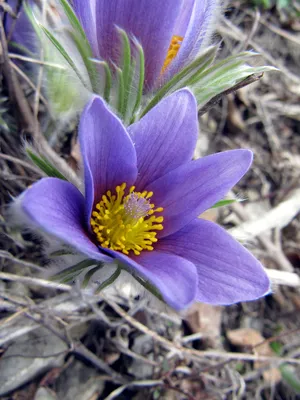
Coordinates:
[171,32]
[22,31]
[143,196]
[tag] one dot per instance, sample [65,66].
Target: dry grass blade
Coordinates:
[196,354]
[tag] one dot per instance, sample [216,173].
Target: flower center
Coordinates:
[126,222]
[174,47]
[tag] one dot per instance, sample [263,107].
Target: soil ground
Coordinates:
[60,344]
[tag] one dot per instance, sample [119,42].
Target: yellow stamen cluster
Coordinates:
[126,222]
[175,44]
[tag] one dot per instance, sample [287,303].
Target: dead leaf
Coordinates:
[235,118]
[205,319]
[244,337]
[210,215]
[253,339]
[112,357]
[296,300]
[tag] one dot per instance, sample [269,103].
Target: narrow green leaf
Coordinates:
[228,64]
[29,12]
[3,124]
[86,55]
[200,64]
[110,280]
[126,66]
[223,76]
[22,49]
[289,375]
[276,347]
[108,82]
[218,81]
[89,274]
[73,18]
[43,164]
[147,285]
[70,272]
[63,52]
[107,78]
[59,253]
[223,203]
[121,90]
[141,74]
[283,3]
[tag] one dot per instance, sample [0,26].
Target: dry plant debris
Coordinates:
[60,342]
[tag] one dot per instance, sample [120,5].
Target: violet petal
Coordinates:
[151,22]
[108,153]
[86,13]
[187,191]
[57,207]
[165,137]
[197,33]
[227,272]
[174,276]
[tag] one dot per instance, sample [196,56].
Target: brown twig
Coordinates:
[190,352]
[245,82]
[15,92]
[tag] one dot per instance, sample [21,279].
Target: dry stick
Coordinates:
[21,162]
[34,61]
[280,32]
[15,92]
[237,34]
[7,8]
[143,328]
[76,348]
[283,278]
[35,281]
[252,32]
[277,218]
[29,81]
[245,82]
[27,118]
[189,352]
[143,384]
[81,350]
[277,255]
[40,72]
[7,255]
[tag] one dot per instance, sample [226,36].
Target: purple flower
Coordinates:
[22,31]
[143,196]
[171,31]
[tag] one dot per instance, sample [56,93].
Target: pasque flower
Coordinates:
[171,32]
[132,53]
[143,196]
[21,29]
